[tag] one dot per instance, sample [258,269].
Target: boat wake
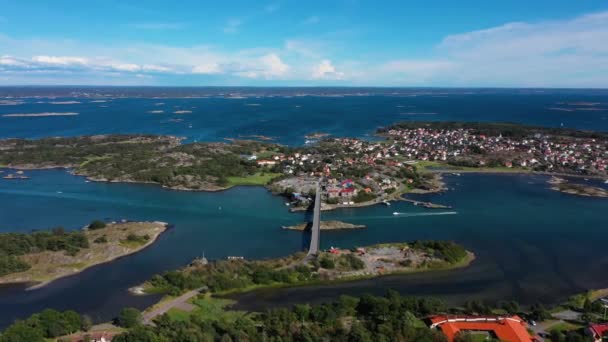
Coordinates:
[424,214]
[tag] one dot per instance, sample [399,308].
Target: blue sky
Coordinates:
[557,43]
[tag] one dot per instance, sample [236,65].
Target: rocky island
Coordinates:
[326,225]
[41,257]
[567,187]
[239,275]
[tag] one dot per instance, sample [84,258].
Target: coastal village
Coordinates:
[359,172]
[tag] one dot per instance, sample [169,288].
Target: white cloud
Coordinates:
[548,53]
[126,67]
[232,26]
[10,61]
[60,60]
[207,69]
[274,66]
[155,68]
[326,70]
[567,53]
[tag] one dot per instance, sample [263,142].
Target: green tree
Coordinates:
[21,332]
[129,318]
[86,323]
[97,224]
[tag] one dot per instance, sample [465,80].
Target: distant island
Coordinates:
[355,172]
[40,257]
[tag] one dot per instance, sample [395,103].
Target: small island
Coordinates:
[567,187]
[240,275]
[41,257]
[326,225]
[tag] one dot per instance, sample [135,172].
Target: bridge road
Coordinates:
[316,223]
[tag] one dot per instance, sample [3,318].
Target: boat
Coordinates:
[606,181]
[395,213]
[386,203]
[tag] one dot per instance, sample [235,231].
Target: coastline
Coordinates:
[33,283]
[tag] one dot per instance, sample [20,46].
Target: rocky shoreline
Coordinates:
[564,186]
[49,266]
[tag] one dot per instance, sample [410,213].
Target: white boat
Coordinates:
[606,181]
[386,203]
[395,213]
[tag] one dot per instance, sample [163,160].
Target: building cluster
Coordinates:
[548,152]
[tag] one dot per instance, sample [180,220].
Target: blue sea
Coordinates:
[288,114]
[532,244]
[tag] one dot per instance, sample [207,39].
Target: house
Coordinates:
[266,162]
[598,332]
[510,329]
[93,337]
[348,192]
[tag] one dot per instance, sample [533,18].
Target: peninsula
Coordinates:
[41,257]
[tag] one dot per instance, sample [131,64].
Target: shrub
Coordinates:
[97,224]
[101,239]
[327,263]
[129,318]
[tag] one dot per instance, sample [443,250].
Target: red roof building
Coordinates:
[508,329]
[598,331]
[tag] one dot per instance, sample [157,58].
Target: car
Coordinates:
[532,322]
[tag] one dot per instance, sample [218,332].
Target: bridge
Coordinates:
[316,223]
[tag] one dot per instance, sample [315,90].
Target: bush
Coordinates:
[97,224]
[363,197]
[101,239]
[129,318]
[327,263]
[11,264]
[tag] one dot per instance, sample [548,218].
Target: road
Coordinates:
[162,308]
[316,224]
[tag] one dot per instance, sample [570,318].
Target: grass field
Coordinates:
[564,326]
[427,165]
[207,308]
[257,179]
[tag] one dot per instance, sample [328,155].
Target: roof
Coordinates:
[599,329]
[509,329]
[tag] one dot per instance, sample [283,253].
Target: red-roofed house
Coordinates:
[598,331]
[508,329]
